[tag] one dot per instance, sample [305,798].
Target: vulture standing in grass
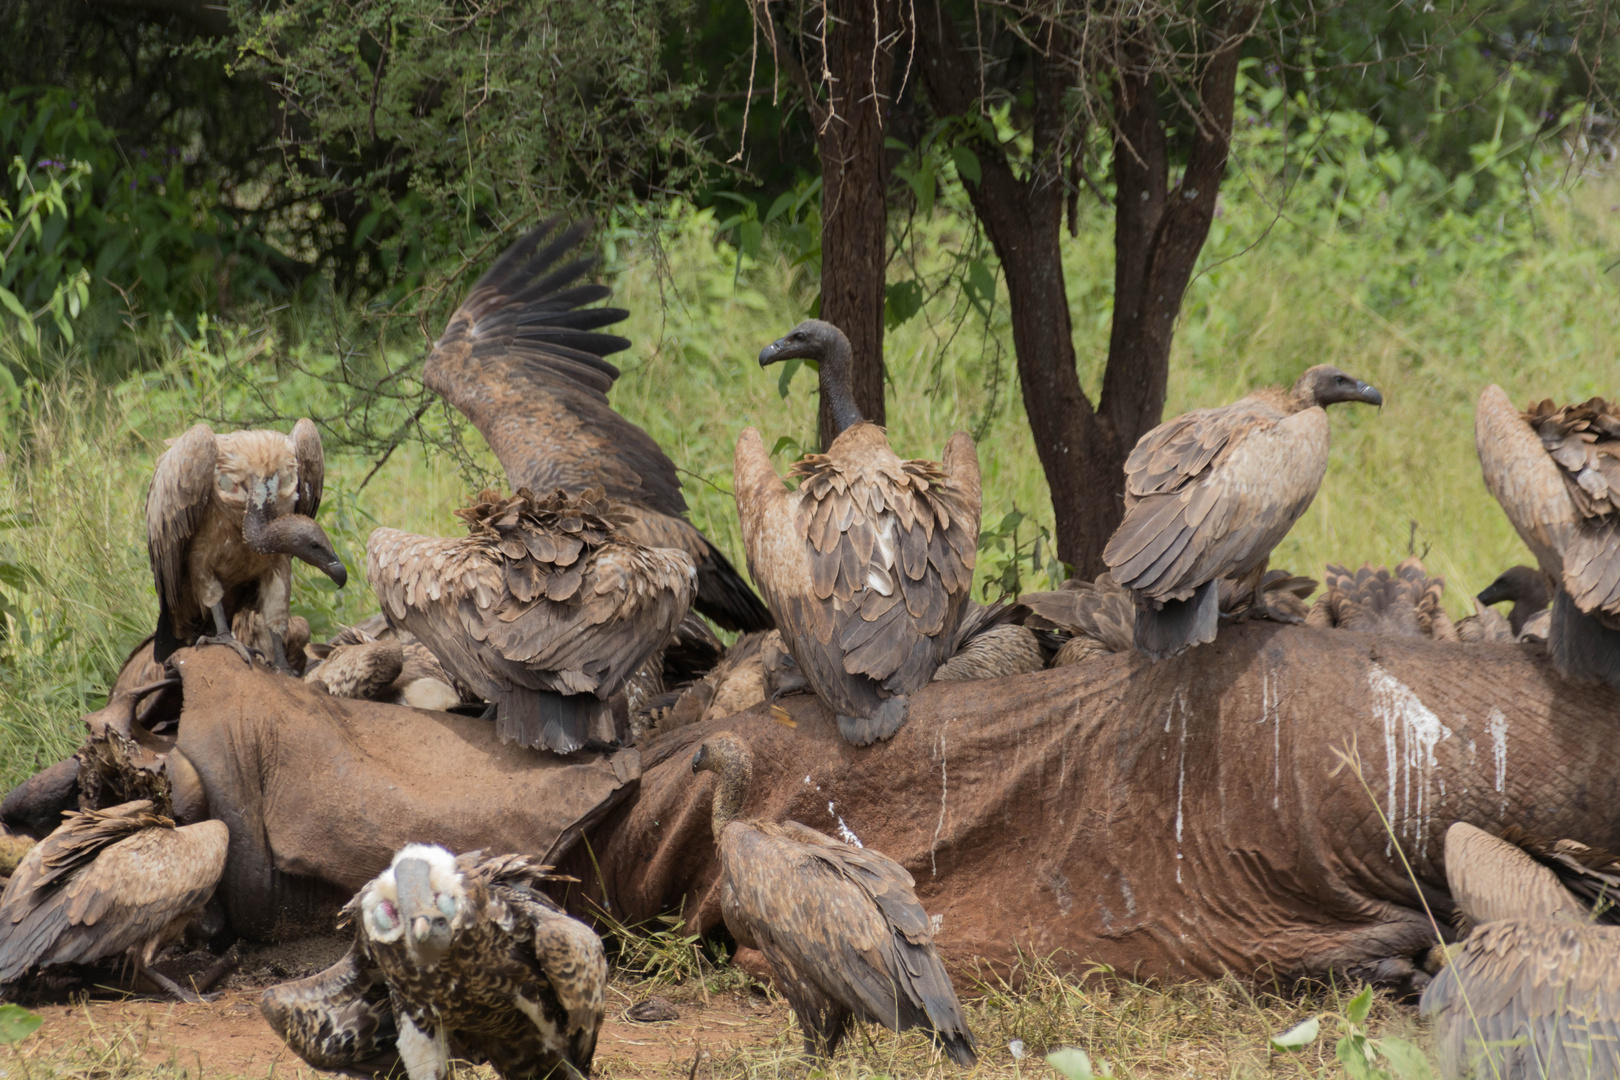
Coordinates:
[109,884]
[867,566]
[1210,493]
[1536,984]
[543,610]
[1556,473]
[522,359]
[225,516]
[1406,603]
[1529,589]
[476,963]
[840,924]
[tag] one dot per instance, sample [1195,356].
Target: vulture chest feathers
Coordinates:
[867,566]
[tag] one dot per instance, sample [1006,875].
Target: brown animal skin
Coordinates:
[867,566]
[1210,493]
[522,359]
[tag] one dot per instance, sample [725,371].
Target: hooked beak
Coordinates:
[1369,394]
[772,353]
[429,929]
[337,572]
[1492,593]
[421,930]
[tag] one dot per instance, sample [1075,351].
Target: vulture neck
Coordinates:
[837,374]
[730,791]
[259,529]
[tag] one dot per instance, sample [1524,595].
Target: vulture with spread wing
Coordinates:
[544,609]
[868,565]
[840,924]
[522,359]
[1534,990]
[453,957]
[225,516]
[1210,493]
[108,884]
[1556,473]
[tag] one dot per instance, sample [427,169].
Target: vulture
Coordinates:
[867,566]
[1556,473]
[992,643]
[1099,616]
[383,669]
[1484,626]
[1406,603]
[114,883]
[734,683]
[1210,493]
[523,360]
[1280,596]
[225,516]
[543,609]
[452,957]
[1529,589]
[840,924]
[1534,990]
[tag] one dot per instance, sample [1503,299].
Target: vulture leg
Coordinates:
[279,648]
[223,636]
[167,985]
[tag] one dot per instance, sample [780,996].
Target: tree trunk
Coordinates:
[854,177]
[1082,448]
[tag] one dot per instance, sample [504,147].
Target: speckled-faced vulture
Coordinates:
[225,516]
[474,962]
[1556,472]
[522,359]
[106,884]
[866,566]
[1210,493]
[1534,990]
[840,924]
[543,609]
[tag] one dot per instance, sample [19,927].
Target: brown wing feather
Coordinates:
[306,440]
[1099,610]
[339,1019]
[1524,479]
[181,492]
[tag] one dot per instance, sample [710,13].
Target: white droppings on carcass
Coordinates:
[936,923]
[807,780]
[1269,711]
[1411,732]
[943,787]
[845,834]
[1181,770]
[1497,724]
[1130,897]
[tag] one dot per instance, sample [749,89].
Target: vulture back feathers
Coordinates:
[867,566]
[107,884]
[1372,600]
[523,359]
[544,609]
[1099,616]
[1210,493]
[840,924]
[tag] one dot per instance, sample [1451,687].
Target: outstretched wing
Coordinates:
[306,440]
[182,487]
[1524,479]
[1211,492]
[339,1019]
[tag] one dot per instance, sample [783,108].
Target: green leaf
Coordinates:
[783,203]
[790,368]
[1406,1061]
[1300,1035]
[749,234]
[1072,1063]
[981,285]
[1360,1005]
[901,301]
[786,442]
[13,305]
[967,164]
[1351,1052]
[17,1023]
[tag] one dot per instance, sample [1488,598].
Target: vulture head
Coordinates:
[256,471]
[729,758]
[302,538]
[1325,385]
[826,344]
[420,898]
[1523,585]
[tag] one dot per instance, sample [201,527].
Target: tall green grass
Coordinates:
[1419,294]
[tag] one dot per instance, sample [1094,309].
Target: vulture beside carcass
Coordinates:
[1556,473]
[523,360]
[1098,616]
[453,957]
[543,609]
[1210,493]
[867,566]
[1372,600]
[225,516]
[108,884]
[382,669]
[840,924]
[1530,589]
[992,642]
[1534,990]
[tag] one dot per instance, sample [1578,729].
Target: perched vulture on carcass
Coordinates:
[1372,600]
[839,923]
[1484,626]
[383,669]
[1556,473]
[543,610]
[225,516]
[992,642]
[108,884]
[1530,589]
[1279,596]
[453,957]
[1099,616]
[1210,493]
[735,682]
[1534,990]
[867,566]
[522,359]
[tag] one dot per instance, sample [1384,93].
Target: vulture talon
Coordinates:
[170,987]
[242,650]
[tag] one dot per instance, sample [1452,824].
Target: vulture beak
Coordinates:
[429,928]
[697,760]
[337,572]
[1369,394]
[1493,593]
[772,353]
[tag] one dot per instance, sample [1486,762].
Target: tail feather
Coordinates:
[1583,649]
[560,723]
[884,721]
[1179,624]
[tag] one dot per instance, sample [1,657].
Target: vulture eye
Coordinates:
[386,917]
[447,904]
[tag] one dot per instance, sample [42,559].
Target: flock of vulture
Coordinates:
[568,615]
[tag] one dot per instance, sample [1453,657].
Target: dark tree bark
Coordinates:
[1158,235]
[851,118]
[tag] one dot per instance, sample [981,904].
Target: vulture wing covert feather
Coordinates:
[182,489]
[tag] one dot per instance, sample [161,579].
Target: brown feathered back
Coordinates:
[1100,616]
[1406,603]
